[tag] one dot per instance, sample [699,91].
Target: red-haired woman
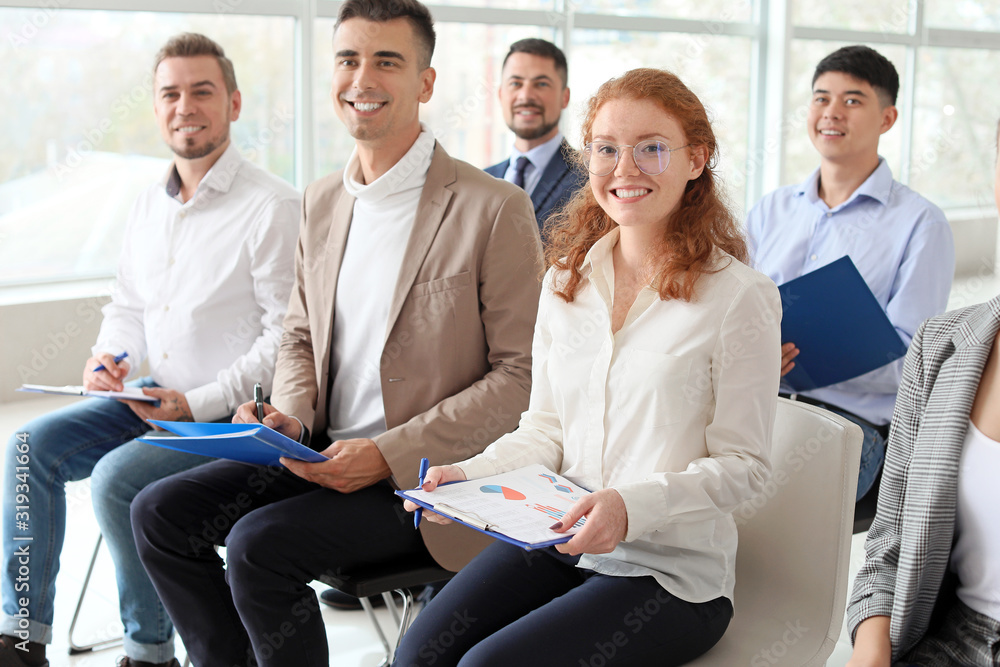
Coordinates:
[654,384]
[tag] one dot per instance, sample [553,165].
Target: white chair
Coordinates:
[794,546]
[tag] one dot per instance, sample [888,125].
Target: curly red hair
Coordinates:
[701,223]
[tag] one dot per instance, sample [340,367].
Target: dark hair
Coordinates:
[866,64]
[191,44]
[701,223]
[543,49]
[381,11]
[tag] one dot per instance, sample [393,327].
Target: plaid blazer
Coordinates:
[909,544]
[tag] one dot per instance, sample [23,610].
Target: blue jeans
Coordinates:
[65,446]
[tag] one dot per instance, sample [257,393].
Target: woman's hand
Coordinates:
[606,527]
[872,647]
[432,479]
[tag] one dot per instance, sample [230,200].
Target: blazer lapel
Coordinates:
[555,171]
[430,212]
[331,258]
[946,417]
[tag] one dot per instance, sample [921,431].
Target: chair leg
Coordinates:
[367,606]
[75,648]
[404,622]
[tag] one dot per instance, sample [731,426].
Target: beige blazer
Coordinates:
[456,361]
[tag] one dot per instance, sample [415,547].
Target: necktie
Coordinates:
[519,167]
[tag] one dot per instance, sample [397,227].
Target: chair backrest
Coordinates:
[794,545]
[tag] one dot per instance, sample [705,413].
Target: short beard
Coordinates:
[533,133]
[196,152]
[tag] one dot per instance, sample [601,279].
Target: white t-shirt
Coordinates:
[974,556]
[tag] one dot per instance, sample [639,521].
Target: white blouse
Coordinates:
[674,411]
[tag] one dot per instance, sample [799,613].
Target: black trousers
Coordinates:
[514,607]
[280,533]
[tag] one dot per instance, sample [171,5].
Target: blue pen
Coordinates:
[424,463]
[100,367]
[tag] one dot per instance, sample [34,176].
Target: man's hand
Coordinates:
[173,406]
[282,423]
[606,527]
[788,352]
[435,477]
[354,464]
[110,379]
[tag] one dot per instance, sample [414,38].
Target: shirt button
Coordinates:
[164,355]
[813,257]
[182,214]
[166,308]
[829,215]
[171,262]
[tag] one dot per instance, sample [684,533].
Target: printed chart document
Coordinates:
[516,506]
[250,443]
[131,393]
[838,325]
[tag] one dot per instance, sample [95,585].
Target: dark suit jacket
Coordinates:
[909,544]
[456,361]
[559,181]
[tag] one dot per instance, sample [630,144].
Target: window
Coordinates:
[81,139]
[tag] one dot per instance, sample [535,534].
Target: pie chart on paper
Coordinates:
[508,493]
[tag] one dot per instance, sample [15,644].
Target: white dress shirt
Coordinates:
[674,411]
[384,211]
[202,286]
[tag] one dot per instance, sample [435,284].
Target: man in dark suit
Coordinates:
[533,93]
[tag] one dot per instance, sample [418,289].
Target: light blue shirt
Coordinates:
[538,157]
[901,244]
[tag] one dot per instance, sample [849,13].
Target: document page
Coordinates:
[520,504]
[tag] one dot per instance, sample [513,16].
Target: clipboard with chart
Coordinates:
[517,506]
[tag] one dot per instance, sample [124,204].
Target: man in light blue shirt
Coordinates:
[900,242]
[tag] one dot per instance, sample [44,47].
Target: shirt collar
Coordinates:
[220,177]
[408,172]
[540,155]
[599,266]
[877,186]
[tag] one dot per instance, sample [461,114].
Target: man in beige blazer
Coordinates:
[408,334]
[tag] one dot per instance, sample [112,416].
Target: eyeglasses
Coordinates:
[652,157]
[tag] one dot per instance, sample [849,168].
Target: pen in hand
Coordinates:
[258,397]
[420,482]
[100,367]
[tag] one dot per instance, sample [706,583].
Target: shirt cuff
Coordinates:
[303,431]
[644,504]
[207,403]
[477,467]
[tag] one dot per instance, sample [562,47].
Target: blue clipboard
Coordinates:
[249,443]
[838,325]
[482,526]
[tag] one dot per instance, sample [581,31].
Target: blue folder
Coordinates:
[250,443]
[838,325]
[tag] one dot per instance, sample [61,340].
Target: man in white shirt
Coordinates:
[202,287]
[408,335]
[533,93]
